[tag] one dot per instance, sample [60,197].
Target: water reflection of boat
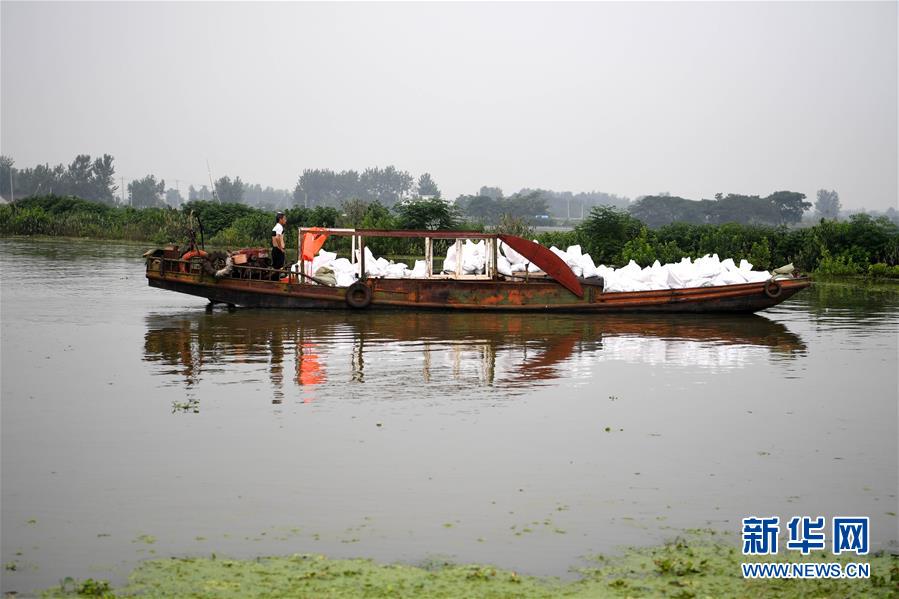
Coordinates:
[500,349]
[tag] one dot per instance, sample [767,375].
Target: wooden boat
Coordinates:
[554,289]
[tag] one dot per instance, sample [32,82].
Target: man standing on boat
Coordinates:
[278,241]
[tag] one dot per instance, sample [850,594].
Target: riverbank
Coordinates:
[861,246]
[701,565]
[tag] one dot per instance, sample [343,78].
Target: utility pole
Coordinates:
[12,189]
[211,182]
[123,190]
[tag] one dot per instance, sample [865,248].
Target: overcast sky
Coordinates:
[626,98]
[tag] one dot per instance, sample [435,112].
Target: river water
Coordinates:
[135,425]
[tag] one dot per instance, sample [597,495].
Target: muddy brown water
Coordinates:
[135,425]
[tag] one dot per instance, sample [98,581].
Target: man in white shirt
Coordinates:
[278,241]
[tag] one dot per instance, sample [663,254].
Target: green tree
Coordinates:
[173,197]
[488,210]
[313,187]
[782,207]
[480,208]
[639,249]
[216,216]
[204,195]
[378,217]
[790,204]
[7,173]
[228,191]
[324,187]
[524,205]
[605,232]
[102,180]
[427,214]
[352,212]
[198,195]
[760,254]
[514,225]
[146,192]
[83,178]
[388,185]
[658,211]
[427,186]
[827,204]
[494,193]
[79,178]
[40,180]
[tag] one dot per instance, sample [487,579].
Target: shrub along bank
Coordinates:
[860,246]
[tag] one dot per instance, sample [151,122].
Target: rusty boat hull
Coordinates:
[535,295]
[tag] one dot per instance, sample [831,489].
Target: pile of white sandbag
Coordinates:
[326,264]
[708,271]
[474,258]
[509,261]
[345,273]
[383,268]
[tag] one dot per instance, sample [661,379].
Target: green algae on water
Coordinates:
[699,567]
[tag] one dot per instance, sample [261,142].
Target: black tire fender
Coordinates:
[773,289]
[358,295]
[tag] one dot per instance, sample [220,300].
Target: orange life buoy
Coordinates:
[188,255]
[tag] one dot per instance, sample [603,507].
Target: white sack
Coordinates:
[322,259]
[587,267]
[757,276]
[513,256]
[396,271]
[474,257]
[450,263]
[344,272]
[419,271]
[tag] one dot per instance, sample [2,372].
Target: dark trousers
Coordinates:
[277,258]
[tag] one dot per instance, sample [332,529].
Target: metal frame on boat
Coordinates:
[554,289]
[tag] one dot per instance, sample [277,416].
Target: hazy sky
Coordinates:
[627,98]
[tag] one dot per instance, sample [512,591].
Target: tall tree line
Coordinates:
[388,186]
[90,179]
[567,204]
[490,209]
[490,205]
[94,179]
[778,208]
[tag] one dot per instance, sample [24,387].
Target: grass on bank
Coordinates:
[702,566]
